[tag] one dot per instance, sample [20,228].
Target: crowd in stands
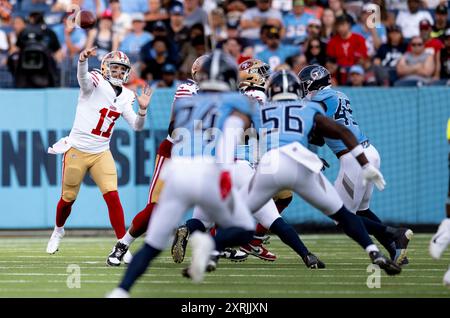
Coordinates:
[361,42]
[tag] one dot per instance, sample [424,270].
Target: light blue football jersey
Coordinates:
[285,122]
[338,108]
[198,121]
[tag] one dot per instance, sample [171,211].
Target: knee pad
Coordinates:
[69,195]
[72,176]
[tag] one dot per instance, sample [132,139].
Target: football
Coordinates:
[86,19]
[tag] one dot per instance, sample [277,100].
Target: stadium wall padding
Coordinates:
[407,126]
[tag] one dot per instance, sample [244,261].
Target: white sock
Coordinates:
[372,248]
[59,229]
[127,239]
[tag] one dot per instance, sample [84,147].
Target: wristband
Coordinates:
[142,113]
[358,150]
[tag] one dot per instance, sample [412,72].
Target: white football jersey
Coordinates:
[97,111]
[260,96]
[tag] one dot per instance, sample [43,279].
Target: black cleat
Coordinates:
[233,255]
[117,254]
[179,244]
[389,266]
[402,240]
[212,263]
[312,261]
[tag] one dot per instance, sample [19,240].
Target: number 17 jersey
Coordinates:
[97,111]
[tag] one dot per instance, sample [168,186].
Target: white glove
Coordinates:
[372,174]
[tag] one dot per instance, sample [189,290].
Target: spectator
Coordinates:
[315,52]
[387,18]
[313,9]
[296,63]
[328,22]
[348,48]
[356,76]
[217,22]
[409,20]
[374,34]
[177,30]
[135,40]
[153,56]
[233,47]
[18,25]
[313,28]
[155,13]
[337,6]
[441,23]
[233,33]
[390,53]
[103,37]
[121,21]
[415,67]
[432,46]
[35,66]
[274,52]
[198,48]
[194,14]
[295,23]
[160,31]
[445,60]
[5,10]
[332,67]
[168,78]
[253,19]
[72,39]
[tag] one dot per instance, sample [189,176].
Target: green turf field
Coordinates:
[26,271]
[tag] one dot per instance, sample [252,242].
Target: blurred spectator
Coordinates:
[194,14]
[332,67]
[177,30]
[135,82]
[356,76]
[445,59]
[254,18]
[34,64]
[409,19]
[160,31]
[415,67]
[283,5]
[5,11]
[348,48]
[196,35]
[103,36]
[432,46]
[313,9]
[4,47]
[296,63]
[315,52]
[247,48]
[295,23]
[337,6]
[313,28]
[71,39]
[155,13]
[18,25]
[198,48]
[168,77]
[387,18]
[274,52]
[328,22]
[95,6]
[233,47]
[153,56]
[217,22]
[441,23]
[121,21]
[135,40]
[374,33]
[390,53]
[234,9]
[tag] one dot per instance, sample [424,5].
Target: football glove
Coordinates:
[372,174]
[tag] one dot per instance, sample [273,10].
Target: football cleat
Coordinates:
[259,251]
[128,257]
[202,247]
[446,280]
[118,293]
[390,267]
[55,239]
[440,240]
[179,244]
[401,245]
[233,255]
[265,239]
[312,261]
[212,263]
[117,254]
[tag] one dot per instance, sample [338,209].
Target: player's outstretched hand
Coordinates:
[85,54]
[370,173]
[144,98]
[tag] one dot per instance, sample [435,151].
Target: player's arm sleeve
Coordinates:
[136,121]
[85,78]
[233,129]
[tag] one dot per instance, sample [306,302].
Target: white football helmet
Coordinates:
[115,57]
